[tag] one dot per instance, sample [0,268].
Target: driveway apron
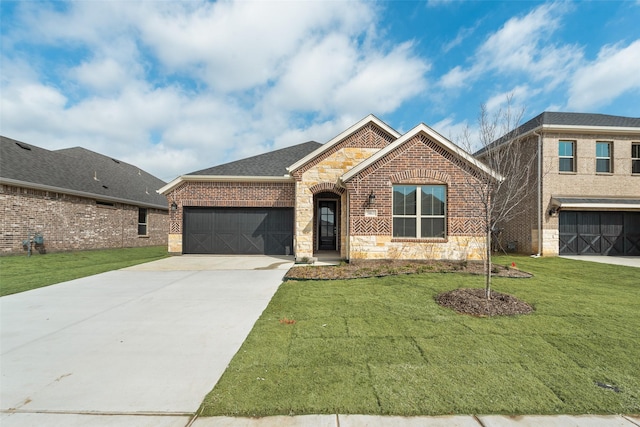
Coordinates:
[126,343]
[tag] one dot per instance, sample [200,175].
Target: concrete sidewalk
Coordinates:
[442,421]
[156,420]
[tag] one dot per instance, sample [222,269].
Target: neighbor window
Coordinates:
[566,155]
[142,222]
[419,211]
[603,157]
[635,157]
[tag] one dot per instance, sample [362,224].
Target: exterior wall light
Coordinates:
[372,198]
[174,206]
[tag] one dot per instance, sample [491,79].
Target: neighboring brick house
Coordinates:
[76,199]
[367,193]
[587,186]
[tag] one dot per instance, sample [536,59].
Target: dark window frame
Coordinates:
[604,163]
[143,222]
[635,158]
[425,218]
[565,159]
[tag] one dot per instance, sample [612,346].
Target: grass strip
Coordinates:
[19,273]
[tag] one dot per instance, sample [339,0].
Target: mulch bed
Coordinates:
[473,302]
[465,301]
[381,268]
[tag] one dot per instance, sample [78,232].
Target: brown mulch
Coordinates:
[381,268]
[473,302]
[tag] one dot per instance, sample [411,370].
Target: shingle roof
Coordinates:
[273,163]
[550,118]
[78,170]
[578,119]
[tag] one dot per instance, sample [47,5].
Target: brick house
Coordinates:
[587,185]
[76,199]
[367,193]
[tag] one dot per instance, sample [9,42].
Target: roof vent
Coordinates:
[117,161]
[95,176]
[104,186]
[24,147]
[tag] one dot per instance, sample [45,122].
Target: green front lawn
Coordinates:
[383,346]
[20,273]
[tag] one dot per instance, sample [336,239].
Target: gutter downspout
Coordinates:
[539,194]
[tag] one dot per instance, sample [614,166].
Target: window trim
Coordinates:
[144,224]
[635,160]
[609,158]
[572,157]
[418,216]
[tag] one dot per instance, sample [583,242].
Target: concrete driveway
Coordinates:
[142,345]
[628,261]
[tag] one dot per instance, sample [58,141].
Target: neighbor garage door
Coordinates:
[238,231]
[599,233]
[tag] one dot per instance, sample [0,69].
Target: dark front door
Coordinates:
[327,225]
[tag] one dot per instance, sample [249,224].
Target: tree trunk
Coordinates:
[488,266]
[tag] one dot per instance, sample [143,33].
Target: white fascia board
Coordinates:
[578,129]
[221,178]
[434,136]
[369,119]
[617,130]
[87,195]
[591,129]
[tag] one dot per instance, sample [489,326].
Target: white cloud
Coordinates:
[462,35]
[514,99]
[238,45]
[179,86]
[453,130]
[613,73]
[521,47]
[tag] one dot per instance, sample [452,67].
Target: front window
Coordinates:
[566,154]
[603,157]
[142,222]
[635,157]
[419,211]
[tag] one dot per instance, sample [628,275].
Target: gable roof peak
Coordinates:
[341,136]
[433,136]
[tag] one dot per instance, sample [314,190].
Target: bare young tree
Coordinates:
[497,144]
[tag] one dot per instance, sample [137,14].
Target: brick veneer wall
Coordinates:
[521,229]
[230,194]
[584,182]
[225,194]
[418,161]
[73,223]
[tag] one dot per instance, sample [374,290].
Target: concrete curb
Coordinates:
[438,421]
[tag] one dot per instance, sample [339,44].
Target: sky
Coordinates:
[173,87]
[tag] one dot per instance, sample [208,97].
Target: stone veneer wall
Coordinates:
[418,161]
[224,194]
[322,174]
[73,223]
